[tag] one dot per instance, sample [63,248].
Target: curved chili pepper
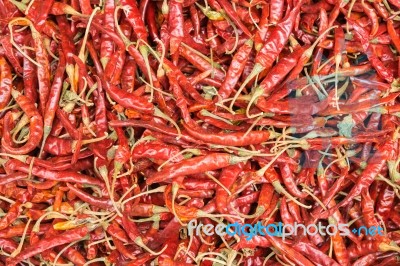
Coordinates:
[64,176]
[195,165]
[54,97]
[48,243]
[183,82]
[106,45]
[375,62]
[227,7]
[373,17]
[43,70]
[10,54]
[229,139]
[5,83]
[175,23]
[277,39]
[35,127]
[12,214]
[280,70]
[133,16]
[99,202]
[155,150]
[200,63]
[235,69]
[288,251]
[314,254]
[373,168]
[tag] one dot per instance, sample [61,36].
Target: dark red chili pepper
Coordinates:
[150,19]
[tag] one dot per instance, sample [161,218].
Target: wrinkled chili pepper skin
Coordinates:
[65,176]
[35,127]
[277,39]
[5,83]
[232,139]
[381,69]
[195,165]
[235,69]
[127,100]
[47,243]
[175,22]
[11,215]
[159,151]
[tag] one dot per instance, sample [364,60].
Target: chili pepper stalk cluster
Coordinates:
[123,121]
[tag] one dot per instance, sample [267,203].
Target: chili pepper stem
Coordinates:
[27,23]
[175,188]
[262,171]
[238,159]
[46,133]
[102,171]
[123,202]
[393,173]
[258,68]
[21,243]
[384,247]
[19,129]
[258,91]
[21,6]
[157,112]
[22,158]
[308,191]
[219,183]
[281,190]
[154,218]
[192,151]
[204,112]
[236,35]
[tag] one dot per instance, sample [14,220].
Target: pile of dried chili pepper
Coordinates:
[123,121]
